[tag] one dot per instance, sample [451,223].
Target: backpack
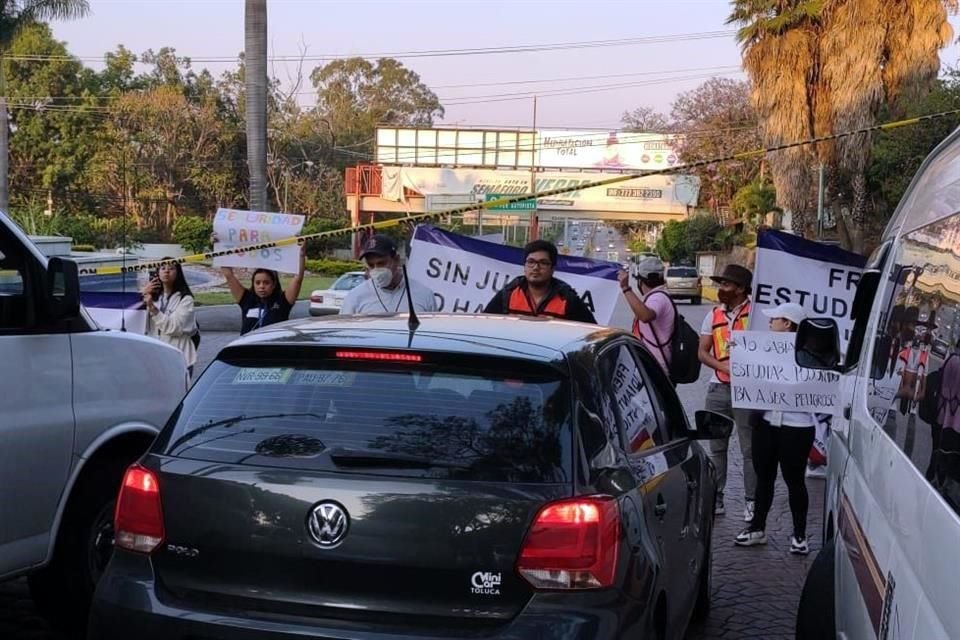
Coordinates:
[684,342]
[195,337]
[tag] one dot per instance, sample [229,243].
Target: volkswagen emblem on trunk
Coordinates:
[327,523]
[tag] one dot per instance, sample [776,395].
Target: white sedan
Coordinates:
[328,301]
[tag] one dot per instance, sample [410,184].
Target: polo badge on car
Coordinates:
[328,523]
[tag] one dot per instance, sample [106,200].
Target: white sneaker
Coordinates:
[749,538]
[816,471]
[798,546]
[748,511]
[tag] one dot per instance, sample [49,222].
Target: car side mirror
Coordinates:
[818,345]
[711,426]
[62,289]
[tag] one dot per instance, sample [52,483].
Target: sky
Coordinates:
[690,44]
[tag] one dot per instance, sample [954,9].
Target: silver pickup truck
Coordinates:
[78,404]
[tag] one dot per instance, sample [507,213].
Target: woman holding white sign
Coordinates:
[266,301]
[782,438]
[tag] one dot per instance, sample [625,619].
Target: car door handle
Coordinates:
[660,509]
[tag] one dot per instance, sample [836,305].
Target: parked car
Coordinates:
[684,283]
[328,301]
[361,479]
[79,405]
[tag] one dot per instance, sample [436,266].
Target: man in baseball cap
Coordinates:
[384,291]
[653,311]
[732,314]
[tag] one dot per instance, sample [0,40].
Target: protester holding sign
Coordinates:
[732,314]
[265,302]
[537,292]
[170,314]
[784,438]
[654,314]
[385,291]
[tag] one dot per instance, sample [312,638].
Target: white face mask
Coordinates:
[381,277]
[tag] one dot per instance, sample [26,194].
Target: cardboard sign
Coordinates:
[764,376]
[235,228]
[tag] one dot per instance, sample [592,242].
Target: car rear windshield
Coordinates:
[449,422]
[681,272]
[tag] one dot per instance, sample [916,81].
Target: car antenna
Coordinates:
[412,320]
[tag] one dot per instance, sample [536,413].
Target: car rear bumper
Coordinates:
[323,310]
[126,606]
[685,292]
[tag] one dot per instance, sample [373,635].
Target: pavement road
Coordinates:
[756,590]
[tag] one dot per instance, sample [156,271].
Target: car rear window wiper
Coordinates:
[348,457]
[229,422]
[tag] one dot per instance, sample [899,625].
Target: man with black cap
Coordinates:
[385,290]
[732,314]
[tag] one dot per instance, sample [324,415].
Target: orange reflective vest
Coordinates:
[721,334]
[521,304]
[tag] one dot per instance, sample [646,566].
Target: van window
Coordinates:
[914,376]
[15,304]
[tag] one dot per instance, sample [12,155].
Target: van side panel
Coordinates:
[121,377]
[36,432]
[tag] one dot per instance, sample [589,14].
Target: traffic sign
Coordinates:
[521,205]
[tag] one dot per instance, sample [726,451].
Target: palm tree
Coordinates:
[825,66]
[14,16]
[255,70]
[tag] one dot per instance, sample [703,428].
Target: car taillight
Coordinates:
[138,521]
[572,544]
[317,299]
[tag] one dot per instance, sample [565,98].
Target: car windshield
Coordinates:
[464,423]
[348,281]
[681,272]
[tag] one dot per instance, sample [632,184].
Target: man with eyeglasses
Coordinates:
[537,292]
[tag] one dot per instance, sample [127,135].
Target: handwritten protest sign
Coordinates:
[235,228]
[764,376]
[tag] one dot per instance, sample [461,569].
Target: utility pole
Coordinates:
[255,70]
[534,220]
[820,205]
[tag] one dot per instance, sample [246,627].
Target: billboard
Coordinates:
[669,194]
[526,149]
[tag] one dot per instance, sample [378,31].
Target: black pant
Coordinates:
[790,448]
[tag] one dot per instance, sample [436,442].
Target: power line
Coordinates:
[434,53]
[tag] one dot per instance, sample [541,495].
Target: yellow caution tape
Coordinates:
[506,200]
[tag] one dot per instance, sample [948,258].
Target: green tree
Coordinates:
[354,95]
[754,201]
[15,15]
[193,233]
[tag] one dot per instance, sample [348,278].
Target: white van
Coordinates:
[77,406]
[890,564]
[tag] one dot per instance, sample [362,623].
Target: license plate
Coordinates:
[337,302]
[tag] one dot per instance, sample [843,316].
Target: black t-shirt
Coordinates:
[259,313]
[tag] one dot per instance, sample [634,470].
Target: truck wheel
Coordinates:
[816,616]
[63,590]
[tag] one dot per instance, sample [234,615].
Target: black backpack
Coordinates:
[684,342]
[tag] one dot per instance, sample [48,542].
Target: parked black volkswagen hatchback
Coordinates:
[483,476]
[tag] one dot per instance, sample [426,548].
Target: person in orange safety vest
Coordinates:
[537,292]
[732,314]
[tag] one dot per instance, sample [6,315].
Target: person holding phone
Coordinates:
[170,312]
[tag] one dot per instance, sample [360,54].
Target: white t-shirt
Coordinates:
[706,329]
[789,419]
[367,299]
